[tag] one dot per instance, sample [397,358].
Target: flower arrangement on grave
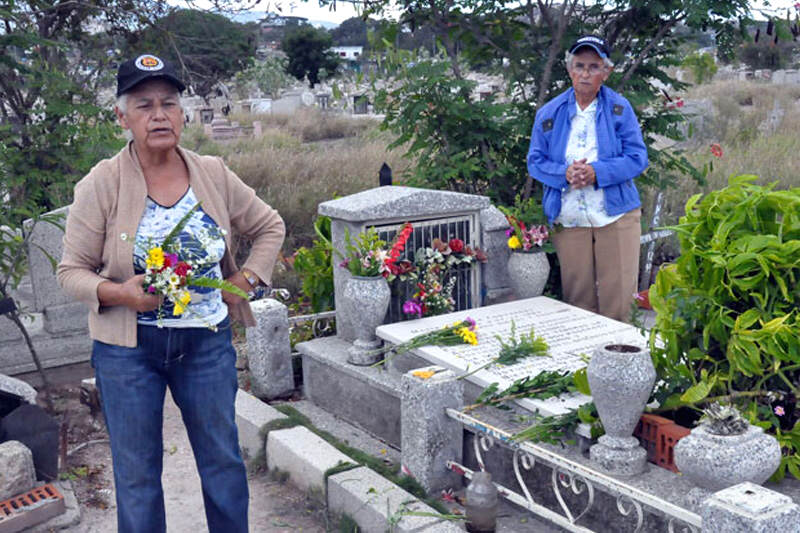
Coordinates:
[433,276]
[367,255]
[527,230]
[514,350]
[169,271]
[461,332]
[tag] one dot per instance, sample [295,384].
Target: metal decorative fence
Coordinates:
[465,292]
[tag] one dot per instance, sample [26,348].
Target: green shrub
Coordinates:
[728,309]
[702,67]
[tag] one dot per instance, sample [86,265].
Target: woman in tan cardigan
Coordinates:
[123,207]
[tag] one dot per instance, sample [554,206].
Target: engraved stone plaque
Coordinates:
[571,333]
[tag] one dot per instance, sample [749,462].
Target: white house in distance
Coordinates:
[348,53]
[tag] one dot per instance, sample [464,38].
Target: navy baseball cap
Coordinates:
[144,67]
[598,44]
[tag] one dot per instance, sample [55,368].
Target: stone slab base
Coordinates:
[371,500]
[365,396]
[251,416]
[53,351]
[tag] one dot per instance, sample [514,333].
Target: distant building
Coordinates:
[348,53]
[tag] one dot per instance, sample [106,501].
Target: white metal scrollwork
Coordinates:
[626,505]
[482,443]
[577,484]
[527,462]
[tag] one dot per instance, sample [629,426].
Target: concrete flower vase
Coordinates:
[621,378]
[365,301]
[715,462]
[528,272]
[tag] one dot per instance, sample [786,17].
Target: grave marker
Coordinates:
[569,331]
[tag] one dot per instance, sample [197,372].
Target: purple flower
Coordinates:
[412,307]
[471,322]
[509,232]
[151,289]
[344,263]
[779,410]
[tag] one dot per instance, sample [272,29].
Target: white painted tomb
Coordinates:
[571,333]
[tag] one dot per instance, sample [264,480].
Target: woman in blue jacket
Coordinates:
[586,149]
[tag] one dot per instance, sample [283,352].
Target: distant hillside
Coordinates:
[244,17]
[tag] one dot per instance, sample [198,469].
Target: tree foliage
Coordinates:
[207,47]
[268,77]
[309,56]
[479,146]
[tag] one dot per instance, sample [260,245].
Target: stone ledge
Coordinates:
[251,416]
[304,455]
[372,500]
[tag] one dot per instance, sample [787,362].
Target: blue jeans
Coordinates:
[199,367]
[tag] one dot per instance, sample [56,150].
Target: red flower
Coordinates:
[182,268]
[457,245]
[679,103]
[716,150]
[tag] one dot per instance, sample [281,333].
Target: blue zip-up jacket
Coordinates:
[621,152]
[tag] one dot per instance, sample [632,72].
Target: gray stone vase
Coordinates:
[528,272]
[621,378]
[715,462]
[364,302]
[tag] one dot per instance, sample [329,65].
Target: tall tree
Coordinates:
[207,47]
[480,146]
[308,50]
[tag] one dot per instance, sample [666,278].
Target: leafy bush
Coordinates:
[315,266]
[727,310]
[702,67]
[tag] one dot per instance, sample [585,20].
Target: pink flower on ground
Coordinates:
[779,410]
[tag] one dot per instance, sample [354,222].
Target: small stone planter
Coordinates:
[364,302]
[621,378]
[715,462]
[528,273]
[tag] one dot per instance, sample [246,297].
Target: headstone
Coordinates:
[433,214]
[269,352]
[16,469]
[360,103]
[429,437]
[67,317]
[257,129]
[18,388]
[32,426]
[206,115]
[750,508]
[571,334]
[45,243]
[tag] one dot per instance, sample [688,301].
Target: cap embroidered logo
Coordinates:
[148,62]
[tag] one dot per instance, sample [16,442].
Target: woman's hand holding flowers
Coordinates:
[130,294]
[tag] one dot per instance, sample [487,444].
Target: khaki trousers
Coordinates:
[600,266]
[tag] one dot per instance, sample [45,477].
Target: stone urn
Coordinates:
[621,378]
[364,302]
[528,272]
[715,462]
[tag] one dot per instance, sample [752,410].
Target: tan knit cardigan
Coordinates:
[104,216]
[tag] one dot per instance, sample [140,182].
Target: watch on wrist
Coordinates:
[251,278]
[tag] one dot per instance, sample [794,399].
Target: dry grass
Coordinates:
[739,123]
[295,176]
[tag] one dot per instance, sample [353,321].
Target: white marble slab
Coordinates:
[571,333]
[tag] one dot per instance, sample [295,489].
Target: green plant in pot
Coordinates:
[725,450]
[728,326]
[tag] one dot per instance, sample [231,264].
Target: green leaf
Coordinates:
[697,392]
[581,381]
[166,244]
[217,284]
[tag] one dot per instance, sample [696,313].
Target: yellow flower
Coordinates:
[423,374]
[155,257]
[467,336]
[514,243]
[181,303]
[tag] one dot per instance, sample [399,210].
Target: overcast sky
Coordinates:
[344,10]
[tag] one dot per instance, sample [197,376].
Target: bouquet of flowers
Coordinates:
[366,255]
[461,332]
[167,275]
[433,276]
[528,226]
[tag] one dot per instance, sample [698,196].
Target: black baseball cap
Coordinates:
[144,67]
[598,44]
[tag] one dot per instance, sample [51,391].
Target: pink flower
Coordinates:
[448,496]
[679,103]
[151,289]
[716,150]
[471,322]
[412,307]
[509,232]
[779,410]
